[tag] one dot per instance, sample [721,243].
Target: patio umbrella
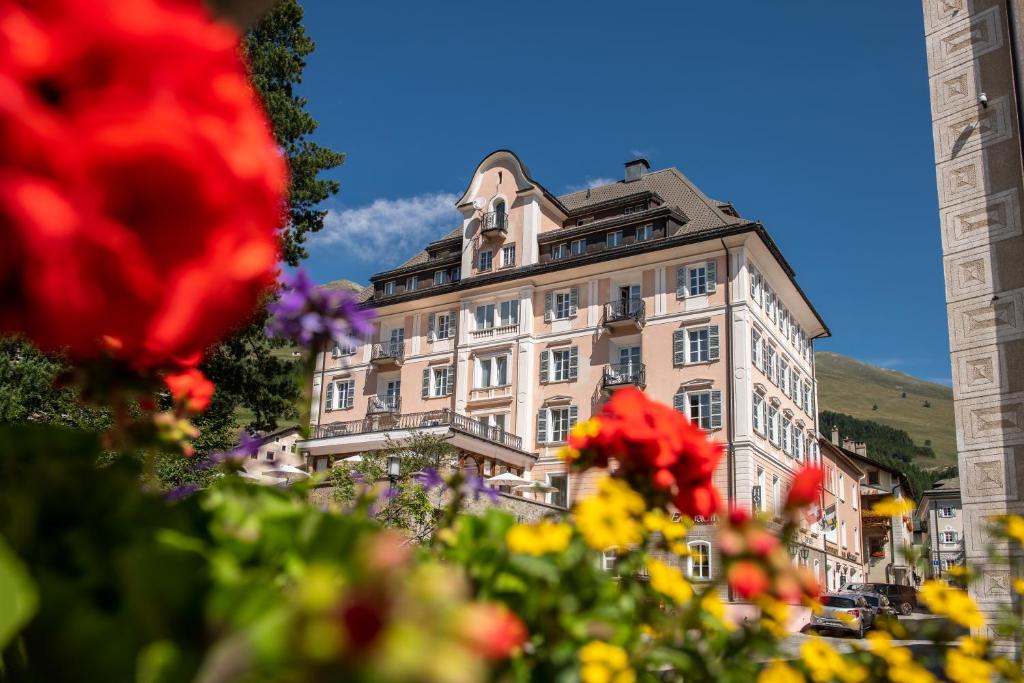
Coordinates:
[286,472]
[535,487]
[507,479]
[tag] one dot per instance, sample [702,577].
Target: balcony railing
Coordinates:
[392,352]
[384,404]
[622,374]
[629,311]
[494,221]
[435,418]
[498,331]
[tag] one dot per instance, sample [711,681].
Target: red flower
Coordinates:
[806,487]
[190,388]
[660,452]
[140,187]
[748,579]
[494,630]
[762,542]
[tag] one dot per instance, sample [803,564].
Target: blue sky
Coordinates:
[812,117]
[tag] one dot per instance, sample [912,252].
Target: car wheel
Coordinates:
[906,608]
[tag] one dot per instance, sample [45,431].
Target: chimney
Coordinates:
[848,444]
[835,436]
[860,448]
[636,169]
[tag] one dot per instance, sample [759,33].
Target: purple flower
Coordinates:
[430,479]
[180,492]
[248,446]
[475,486]
[307,314]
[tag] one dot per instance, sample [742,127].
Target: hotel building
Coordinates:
[521,321]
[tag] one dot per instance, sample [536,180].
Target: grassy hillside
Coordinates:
[848,386]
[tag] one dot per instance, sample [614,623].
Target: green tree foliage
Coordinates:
[889,446]
[277,48]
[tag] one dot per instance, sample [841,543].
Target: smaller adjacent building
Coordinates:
[842,520]
[277,449]
[941,523]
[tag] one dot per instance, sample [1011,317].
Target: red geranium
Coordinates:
[493,630]
[660,452]
[806,487]
[140,186]
[748,579]
[190,389]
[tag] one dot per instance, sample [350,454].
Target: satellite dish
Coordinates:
[479,203]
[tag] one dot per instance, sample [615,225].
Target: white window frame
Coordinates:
[698,399]
[561,299]
[948,536]
[696,273]
[489,254]
[947,512]
[615,241]
[776,494]
[411,283]
[493,364]
[508,255]
[338,388]
[578,247]
[446,326]
[787,436]
[757,413]
[702,571]
[565,422]
[773,424]
[559,251]
[439,277]
[558,367]
[756,348]
[346,350]
[389,288]
[508,312]
[439,385]
[486,321]
[647,233]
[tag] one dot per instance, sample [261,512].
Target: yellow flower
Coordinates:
[963,668]
[568,453]
[892,507]
[587,429]
[541,538]
[952,603]
[825,664]
[1018,586]
[901,665]
[780,672]
[958,571]
[669,581]
[610,518]
[602,662]
[975,647]
[712,605]
[773,609]
[1015,527]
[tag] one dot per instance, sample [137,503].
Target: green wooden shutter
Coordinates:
[678,347]
[350,398]
[544,363]
[574,416]
[713,346]
[329,400]
[430,327]
[679,402]
[548,306]
[542,425]
[574,362]
[426,382]
[712,273]
[680,282]
[451,380]
[574,301]
[716,409]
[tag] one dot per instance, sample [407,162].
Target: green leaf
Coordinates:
[18,597]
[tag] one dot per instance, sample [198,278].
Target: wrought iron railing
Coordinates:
[384,404]
[494,220]
[391,350]
[625,373]
[625,309]
[444,417]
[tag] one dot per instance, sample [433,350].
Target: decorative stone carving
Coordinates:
[955,90]
[978,372]
[994,421]
[996,583]
[987,319]
[980,222]
[962,179]
[964,41]
[972,129]
[969,274]
[939,13]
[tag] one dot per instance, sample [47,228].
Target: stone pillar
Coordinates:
[977,131]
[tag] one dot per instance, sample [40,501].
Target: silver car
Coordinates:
[843,612]
[877,603]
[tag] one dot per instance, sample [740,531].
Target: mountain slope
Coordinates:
[849,386]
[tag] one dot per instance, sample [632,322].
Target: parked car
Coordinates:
[877,603]
[848,613]
[903,598]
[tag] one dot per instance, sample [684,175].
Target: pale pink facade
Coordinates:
[528,315]
[843,543]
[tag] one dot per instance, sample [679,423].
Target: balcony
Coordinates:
[498,393]
[384,405]
[622,374]
[377,431]
[624,313]
[388,354]
[493,332]
[494,223]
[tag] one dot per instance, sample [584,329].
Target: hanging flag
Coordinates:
[830,521]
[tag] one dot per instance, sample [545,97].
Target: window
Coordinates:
[441,326]
[842,534]
[562,305]
[509,312]
[759,498]
[609,559]
[704,344]
[410,284]
[560,496]
[438,381]
[508,255]
[340,394]
[645,232]
[757,408]
[438,277]
[704,408]
[756,287]
[636,208]
[560,251]
[554,424]
[841,490]
[614,238]
[485,317]
[343,350]
[787,432]
[559,365]
[484,259]
[947,512]
[948,536]
[584,221]
[771,364]
[389,288]
[784,376]
[798,443]
[773,425]
[776,495]
[698,564]
[946,563]
[853,495]
[755,349]
[455,274]
[492,372]
[873,477]
[698,281]
[578,247]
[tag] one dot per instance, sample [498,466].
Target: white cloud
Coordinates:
[389,231]
[590,182]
